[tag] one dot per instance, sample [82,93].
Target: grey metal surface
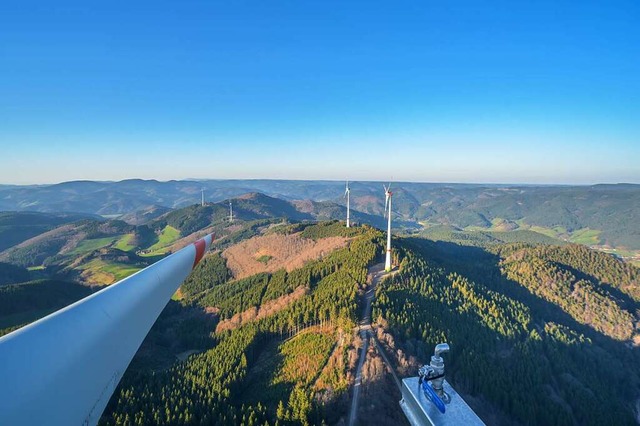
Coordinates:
[420,411]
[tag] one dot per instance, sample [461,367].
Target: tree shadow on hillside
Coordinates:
[627,301]
[483,267]
[553,379]
[264,360]
[178,329]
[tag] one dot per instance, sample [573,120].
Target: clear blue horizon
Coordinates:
[535,92]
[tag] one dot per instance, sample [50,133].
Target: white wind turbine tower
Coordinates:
[230,212]
[346,195]
[387,213]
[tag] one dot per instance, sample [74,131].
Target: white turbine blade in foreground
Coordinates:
[62,369]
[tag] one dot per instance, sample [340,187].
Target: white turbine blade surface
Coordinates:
[62,369]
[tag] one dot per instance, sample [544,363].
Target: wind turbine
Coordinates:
[202,203]
[387,213]
[346,195]
[230,212]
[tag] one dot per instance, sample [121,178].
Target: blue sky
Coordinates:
[459,91]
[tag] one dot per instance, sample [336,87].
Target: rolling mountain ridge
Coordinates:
[603,215]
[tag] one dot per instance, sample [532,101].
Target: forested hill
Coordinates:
[249,371]
[97,251]
[537,333]
[16,227]
[538,326]
[594,215]
[263,330]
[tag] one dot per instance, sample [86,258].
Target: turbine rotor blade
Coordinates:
[386,203]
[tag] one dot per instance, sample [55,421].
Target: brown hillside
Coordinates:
[67,232]
[267,309]
[276,252]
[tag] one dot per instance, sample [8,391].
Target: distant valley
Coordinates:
[603,216]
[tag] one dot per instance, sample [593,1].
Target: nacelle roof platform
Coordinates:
[422,412]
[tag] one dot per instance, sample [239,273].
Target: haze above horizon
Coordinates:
[539,92]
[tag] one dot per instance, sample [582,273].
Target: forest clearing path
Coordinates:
[376,273]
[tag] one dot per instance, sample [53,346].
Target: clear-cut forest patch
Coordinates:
[286,251]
